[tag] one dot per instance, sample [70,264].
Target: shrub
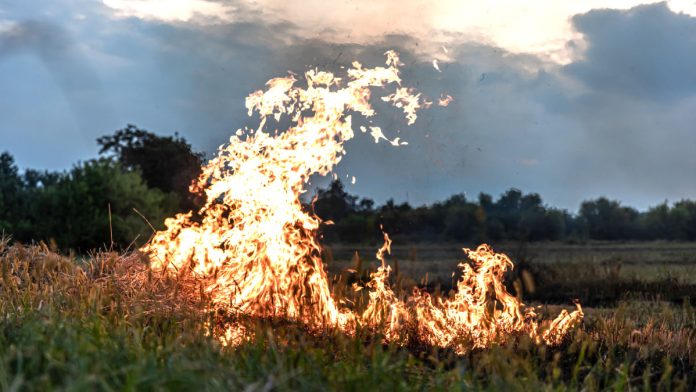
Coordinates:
[96,202]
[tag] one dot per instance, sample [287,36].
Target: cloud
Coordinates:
[646,52]
[633,105]
[57,97]
[5,25]
[50,40]
[59,53]
[543,28]
[172,10]
[477,143]
[518,119]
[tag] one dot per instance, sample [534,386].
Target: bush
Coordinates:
[167,163]
[74,211]
[609,220]
[11,199]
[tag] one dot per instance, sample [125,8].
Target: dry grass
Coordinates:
[108,322]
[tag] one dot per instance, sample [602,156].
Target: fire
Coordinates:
[255,247]
[445,100]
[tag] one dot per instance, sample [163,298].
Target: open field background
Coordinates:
[434,257]
[596,273]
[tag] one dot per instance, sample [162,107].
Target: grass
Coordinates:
[597,274]
[106,323]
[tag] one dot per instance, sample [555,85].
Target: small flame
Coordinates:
[377,134]
[445,100]
[255,248]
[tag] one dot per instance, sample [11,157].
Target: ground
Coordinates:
[105,323]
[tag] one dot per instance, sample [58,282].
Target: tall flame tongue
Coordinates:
[256,248]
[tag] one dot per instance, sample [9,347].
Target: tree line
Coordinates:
[513,216]
[139,178]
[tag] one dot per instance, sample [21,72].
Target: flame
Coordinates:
[255,247]
[445,100]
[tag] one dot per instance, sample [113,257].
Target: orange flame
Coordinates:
[256,247]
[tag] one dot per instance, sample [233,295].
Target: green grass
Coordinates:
[109,324]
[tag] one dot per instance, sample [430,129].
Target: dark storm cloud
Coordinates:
[647,52]
[634,105]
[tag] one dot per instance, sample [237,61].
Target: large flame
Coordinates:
[255,245]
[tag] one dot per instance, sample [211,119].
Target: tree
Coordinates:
[461,223]
[507,210]
[396,219]
[11,195]
[334,203]
[657,223]
[608,220]
[167,163]
[85,207]
[34,179]
[684,216]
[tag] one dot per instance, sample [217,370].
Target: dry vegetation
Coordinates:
[107,323]
[596,274]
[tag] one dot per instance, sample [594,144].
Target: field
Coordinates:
[597,274]
[105,323]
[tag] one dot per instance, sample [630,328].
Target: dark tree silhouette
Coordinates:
[334,203]
[167,163]
[11,189]
[608,219]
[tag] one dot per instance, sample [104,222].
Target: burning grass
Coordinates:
[236,295]
[255,247]
[108,322]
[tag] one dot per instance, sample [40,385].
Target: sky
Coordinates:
[570,99]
